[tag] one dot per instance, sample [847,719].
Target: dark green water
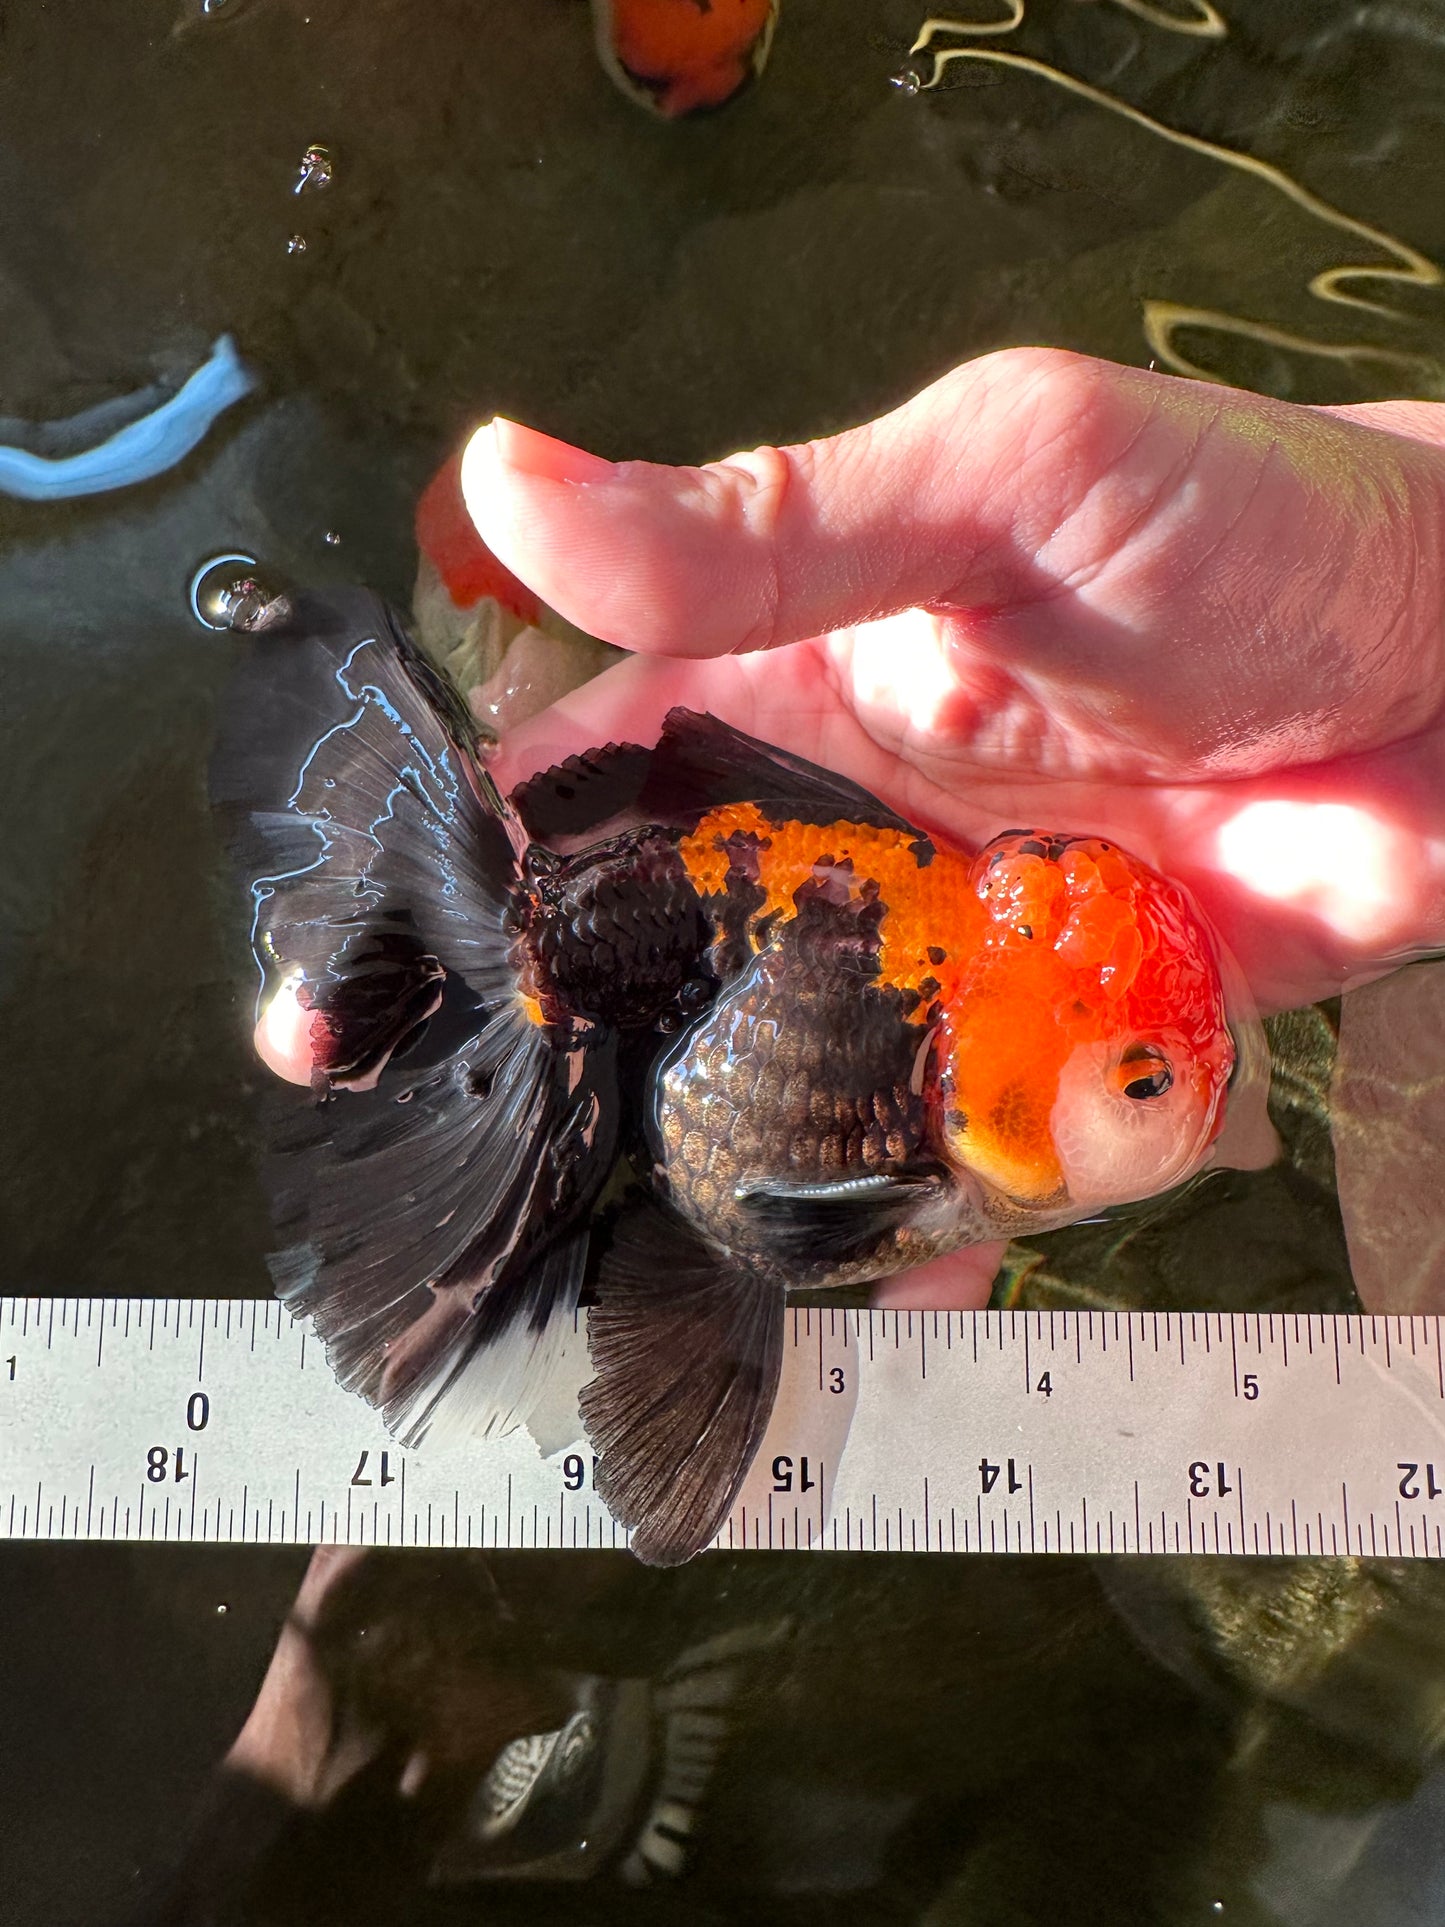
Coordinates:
[925,1741]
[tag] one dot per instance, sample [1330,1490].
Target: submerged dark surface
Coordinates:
[505,232]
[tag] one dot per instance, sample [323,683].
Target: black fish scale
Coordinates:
[798,1072]
[616,934]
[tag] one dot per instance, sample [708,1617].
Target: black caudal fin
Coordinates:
[687,1348]
[420,1222]
[425,1207]
[698,764]
[345,772]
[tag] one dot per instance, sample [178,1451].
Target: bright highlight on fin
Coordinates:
[142,449]
[791,1039]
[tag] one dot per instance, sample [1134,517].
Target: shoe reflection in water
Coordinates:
[573,1737]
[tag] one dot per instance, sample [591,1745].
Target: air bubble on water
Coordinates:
[907,80]
[316,170]
[333,539]
[222,1609]
[230,592]
[297,244]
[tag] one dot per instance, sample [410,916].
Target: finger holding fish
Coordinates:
[823,1027]
[1161,579]
[856,1048]
[1316,878]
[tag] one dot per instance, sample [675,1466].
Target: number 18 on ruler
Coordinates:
[1020,1432]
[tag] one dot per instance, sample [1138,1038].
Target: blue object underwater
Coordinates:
[143,448]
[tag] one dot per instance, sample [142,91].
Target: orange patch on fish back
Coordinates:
[1085,933]
[927,906]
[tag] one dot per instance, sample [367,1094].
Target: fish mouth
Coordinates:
[998,1181]
[983,1207]
[1027,1208]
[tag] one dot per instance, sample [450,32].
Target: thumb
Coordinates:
[947,500]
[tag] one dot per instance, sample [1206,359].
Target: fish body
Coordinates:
[821,1046]
[676,57]
[508,655]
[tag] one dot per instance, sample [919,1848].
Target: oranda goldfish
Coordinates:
[820,1046]
[677,56]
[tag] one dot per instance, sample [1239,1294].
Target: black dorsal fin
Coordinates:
[701,763]
[687,1347]
[582,793]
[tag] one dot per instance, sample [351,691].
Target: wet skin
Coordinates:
[1051,589]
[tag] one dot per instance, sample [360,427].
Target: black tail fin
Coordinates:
[428,1204]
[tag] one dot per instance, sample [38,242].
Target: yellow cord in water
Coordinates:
[931,26]
[1162,319]
[1205,22]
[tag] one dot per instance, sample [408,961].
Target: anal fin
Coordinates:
[687,1348]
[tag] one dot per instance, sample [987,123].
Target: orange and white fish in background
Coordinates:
[507,653]
[675,57]
[817,1045]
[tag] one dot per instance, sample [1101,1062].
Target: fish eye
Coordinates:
[1131,1117]
[1145,1072]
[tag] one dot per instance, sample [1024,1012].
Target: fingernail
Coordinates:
[533,453]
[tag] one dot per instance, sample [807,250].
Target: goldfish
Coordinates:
[509,654]
[675,57]
[669,1031]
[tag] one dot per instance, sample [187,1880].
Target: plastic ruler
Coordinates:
[1014,1431]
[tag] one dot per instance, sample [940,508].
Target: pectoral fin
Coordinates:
[687,1347]
[842,1221]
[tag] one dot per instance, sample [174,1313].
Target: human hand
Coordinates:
[1049,590]
[290,1740]
[1053,592]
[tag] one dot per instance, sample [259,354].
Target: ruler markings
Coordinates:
[1148,1440]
